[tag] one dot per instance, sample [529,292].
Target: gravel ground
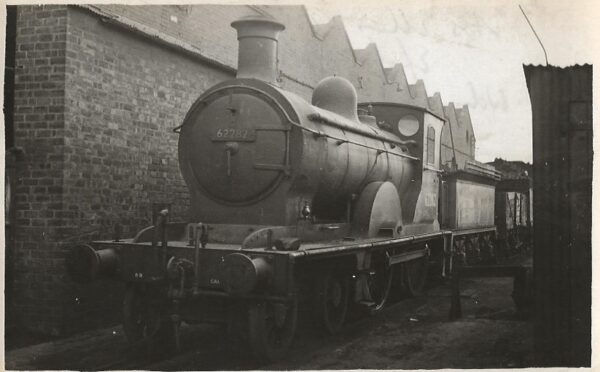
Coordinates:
[410,334]
[416,334]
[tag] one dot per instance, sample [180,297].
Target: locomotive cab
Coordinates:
[423,129]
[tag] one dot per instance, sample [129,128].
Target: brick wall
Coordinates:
[39,130]
[94,110]
[124,95]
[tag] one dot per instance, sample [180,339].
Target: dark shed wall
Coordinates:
[561,101]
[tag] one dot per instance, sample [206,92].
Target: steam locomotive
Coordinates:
[296,207]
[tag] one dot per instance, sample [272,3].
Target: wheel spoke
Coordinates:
[380,281]
[331,301]
[416,276]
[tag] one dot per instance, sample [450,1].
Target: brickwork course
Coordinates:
[98,90]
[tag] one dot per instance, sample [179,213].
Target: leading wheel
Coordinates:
[145,317]
[379,281]
[331,301]
[272,327]
[415,276]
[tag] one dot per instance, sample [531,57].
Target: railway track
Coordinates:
[107,349]
[157,362]
[205,347]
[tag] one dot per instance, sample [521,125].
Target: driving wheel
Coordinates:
[415,276]
[379,281]
[331,301]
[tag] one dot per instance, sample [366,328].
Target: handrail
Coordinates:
[322,134]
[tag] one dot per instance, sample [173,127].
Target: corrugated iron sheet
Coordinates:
[561,101]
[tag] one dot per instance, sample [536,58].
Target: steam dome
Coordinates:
[338,95]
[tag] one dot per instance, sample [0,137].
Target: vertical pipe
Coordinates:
[269,239]
[197,231]
[164,216]
[348,210]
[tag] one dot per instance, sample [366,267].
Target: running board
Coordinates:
[474,231]
[368,304]
[407,256]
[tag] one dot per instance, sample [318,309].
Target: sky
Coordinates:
[473,53]
[470,51]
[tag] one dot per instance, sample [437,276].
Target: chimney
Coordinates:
[257,51]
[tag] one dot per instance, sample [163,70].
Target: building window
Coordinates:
[430,145]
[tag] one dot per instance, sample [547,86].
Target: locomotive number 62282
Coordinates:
[233,134]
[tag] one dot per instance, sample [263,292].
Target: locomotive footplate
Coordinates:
[223,269]
[200,280]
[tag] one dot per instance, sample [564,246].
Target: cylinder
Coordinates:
[257,49]
[241,274]
[85,264]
